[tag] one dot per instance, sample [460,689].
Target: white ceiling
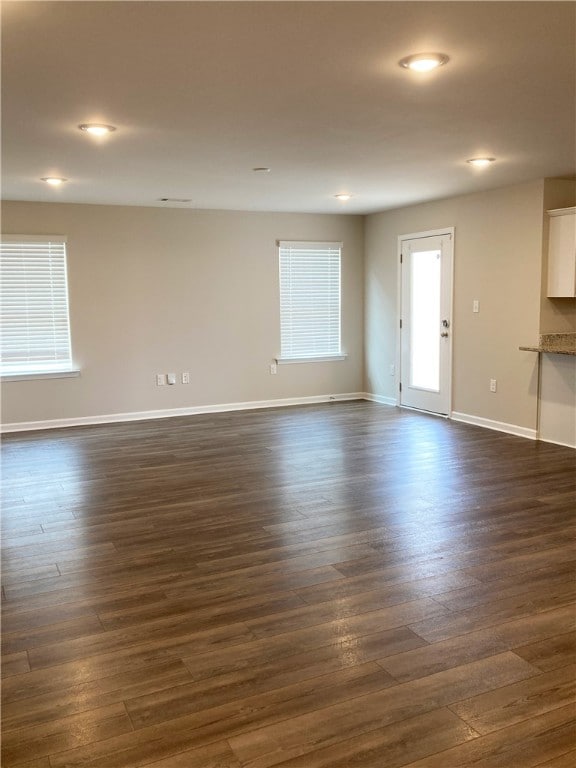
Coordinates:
[203,92]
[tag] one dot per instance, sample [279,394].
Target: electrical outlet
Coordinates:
[475,306]
[273,369]
[492,385]
[186,377]
[392,369]
[171,378]
[160,379]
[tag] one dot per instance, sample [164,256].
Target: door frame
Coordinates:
[450,231]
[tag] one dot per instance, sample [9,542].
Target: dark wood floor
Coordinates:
[326,586]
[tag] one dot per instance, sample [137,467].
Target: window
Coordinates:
[34,322]
[309,301]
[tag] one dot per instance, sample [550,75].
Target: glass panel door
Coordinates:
[425,276]
[426,334]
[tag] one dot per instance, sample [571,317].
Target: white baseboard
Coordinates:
[167,413]
[379,399]
[498,426]
[557,442]
[27,426]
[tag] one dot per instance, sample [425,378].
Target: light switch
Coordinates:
[171,378]
[475,306]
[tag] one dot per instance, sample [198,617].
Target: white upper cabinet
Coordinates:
[562,253]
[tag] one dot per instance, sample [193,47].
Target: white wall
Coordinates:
[497,257]
[558,399]
[160,290]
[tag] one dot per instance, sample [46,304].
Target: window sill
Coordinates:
[44,375]
[325,359]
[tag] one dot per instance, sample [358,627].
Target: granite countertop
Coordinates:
[555,343]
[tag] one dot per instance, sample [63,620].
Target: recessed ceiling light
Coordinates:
[481,162]
[424,62]
[343,196]
[97,129]
[54,181]
[261,170]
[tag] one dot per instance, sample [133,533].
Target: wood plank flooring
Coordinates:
[332,586]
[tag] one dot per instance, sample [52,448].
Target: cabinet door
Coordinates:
[562,253]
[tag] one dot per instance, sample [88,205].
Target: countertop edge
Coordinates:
[549,351]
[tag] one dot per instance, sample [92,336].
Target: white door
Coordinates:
[426,323]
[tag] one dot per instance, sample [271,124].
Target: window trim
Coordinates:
[304,245]
[64,374]
[48,369]
[322,359]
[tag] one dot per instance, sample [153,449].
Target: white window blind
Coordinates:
[309,300]
[34,321]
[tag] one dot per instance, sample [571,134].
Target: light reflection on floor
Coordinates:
[408,508]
